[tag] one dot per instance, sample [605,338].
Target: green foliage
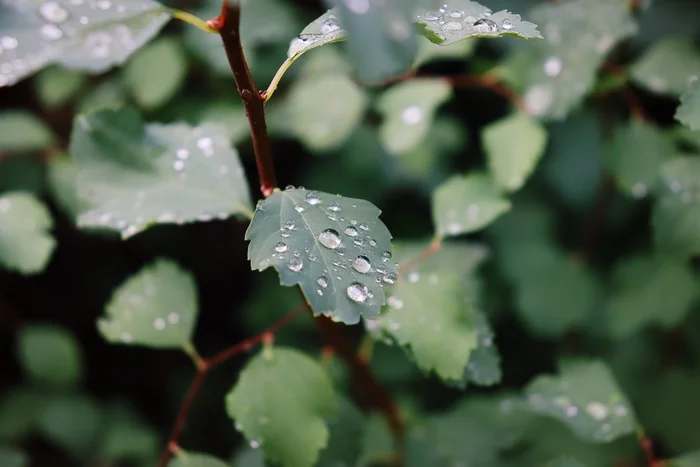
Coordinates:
[187,459]
[277,388]
[12,458]
[666,67]
[688,112]
[50,356]
[22,131]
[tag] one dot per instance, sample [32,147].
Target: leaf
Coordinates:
[635,154]
[196,459]
[688,113]
[565,462]
[50,356]
[649,290]
[409,109]
[667,66]
[345,438]
[465,204]
[57,86]
[157,307]
[62,174]
[335,248]
[127,438]
[156,73]
[325,109]
[135,175]
[676,215]
[429,51]
[20,409]
[559,71]
[22,131]
[10,457]
[686,460]
[462,19]
[484,367]
[323,30]
[280,388]
[586,398]
[72,422]
[86,36]
[513,146]
[25,244]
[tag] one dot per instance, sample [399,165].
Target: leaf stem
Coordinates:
[193,20]
[434,247]
[267,94]
[228,25]
[191,352]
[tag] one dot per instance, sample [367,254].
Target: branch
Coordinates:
[228,26]
[203,368]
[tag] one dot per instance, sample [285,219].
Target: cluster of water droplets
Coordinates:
[448,22]
[325,29]
[357,257]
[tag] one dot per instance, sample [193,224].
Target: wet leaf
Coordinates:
[465,204]
[667,66]
[195,459]
[484,367]
[513,146]
[279,388]
[688,113]
[56,86]
[135,175]
[585,397]
[25,243]
[335,248]
[72,422]
[89,35]
[50,356]
[22,131]
[409,109]
[157,307]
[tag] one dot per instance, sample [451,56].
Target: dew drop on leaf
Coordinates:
[351,231]
[329,238]
[597,410]
[53,12]
[322,281]
[507,24]
[335,207]
[312,198]
[362,264]
[390,278]
[485,25]
[358,292]
[295,265]
[281,247]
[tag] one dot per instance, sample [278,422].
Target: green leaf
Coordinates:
[586,398]
[686,460]
[335,248]
[278,389]
[649,290]
[127,437]
[429,51]
[195,459]
[346,432]
[62,175]
[484,367]
[409,109]
[565,462]
[50,356]
[156,73]
[688,113]
[513,146]
[57,86]
[20,409]
[465,204]
[22,131]
[72,422]
[560,70]
[462,19]
[635,154]
[10,457]
[667,66]
[135,175]
[323,30]
[324,110]
[25,244]
[86,36]
[676,214]
[157,307]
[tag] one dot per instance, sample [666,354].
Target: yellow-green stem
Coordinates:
[193,20]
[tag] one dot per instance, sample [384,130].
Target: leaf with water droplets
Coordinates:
[195,459]
[635,154]
[335,248]
[688,113]
[586,397]
[50,356]
[667,66]
[513,146]
[558,72]
[281,388]
[22,131]
[135,175]
[465,204]
[25,243]
[409,109]
[10,457]
[156,307]
[649,290]
[323,30]
[456,20]
[676,214]
[87,35]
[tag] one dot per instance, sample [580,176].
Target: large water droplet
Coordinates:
[452,26]
[312,198]
[281,247]
[295,264]
[412,115]
[8,43]
[386,256]
[364,227]
[329,25]
[51,32]
[552,67]
[456,14]
[289,225]
[485,25]
[359,7]
[390,278]
[351,231]
[322,281]
[99,44]
[53,12]
[299,208]
[431,16]
[329,238]
[507,24]
[358,292]
[597,410]
[254,444]
[362,264]
[103,4]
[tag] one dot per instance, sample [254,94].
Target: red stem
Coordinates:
[228,25]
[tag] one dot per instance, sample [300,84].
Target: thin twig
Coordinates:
[228,25]
[433,248]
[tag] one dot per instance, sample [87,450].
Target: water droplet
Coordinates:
[452,26]
[103,4]
[597,410]
[312,198]
[413,277]
[319,292]
[299,208]
[8,43]
[289,225]
[182,153]
[322,281]
[538,99]
[362,264]
[284,233]
[571,411]
[351,231]
[412,115]
[173,318]
[372,242]
[51,32]
[329,238]
[364,226]
[312,257]
[358,292]
[99,44]
[159,324]
[359,7]
[552,67]
[335,207]
[485,25]
[358,241]
[395,303]
[456,14]
[507,24]
[390,278]
[53,12]
[178,165]
[254,444]
[295,265]
[328,26]
[639,190]
[281,247]
[620,410]
[386,256]
[431,16]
